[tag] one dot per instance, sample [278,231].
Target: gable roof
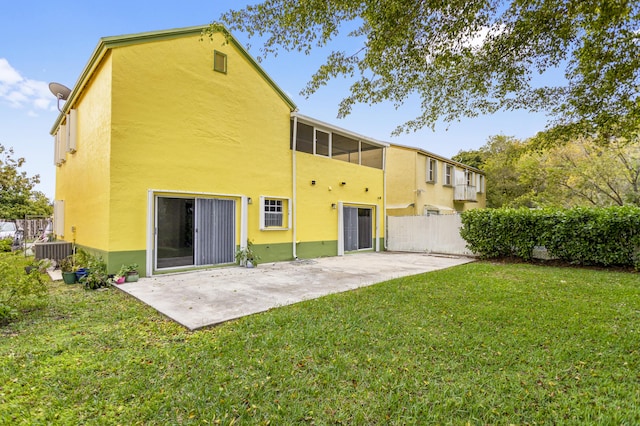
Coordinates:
[107,43]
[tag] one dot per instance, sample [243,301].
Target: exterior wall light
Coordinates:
[333,206]
[313,182]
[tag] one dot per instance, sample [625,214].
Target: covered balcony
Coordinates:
[465,193]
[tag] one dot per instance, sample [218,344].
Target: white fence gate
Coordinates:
[430,234]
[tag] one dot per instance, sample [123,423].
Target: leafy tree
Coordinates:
[470,57]
[583,173]
[578,173]
[17,197]
[499,158]
[474,158]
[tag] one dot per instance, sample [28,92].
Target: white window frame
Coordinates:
[72,134]
[480,183]
[58,218]
[315,141]
[447,177]
[61,155]
[432,170]
[469,177]
[286,222]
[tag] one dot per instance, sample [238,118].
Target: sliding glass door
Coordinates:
[357,224]
[194,231]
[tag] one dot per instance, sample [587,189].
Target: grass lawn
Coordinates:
[479,343]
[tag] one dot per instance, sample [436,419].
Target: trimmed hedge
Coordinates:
[607,236]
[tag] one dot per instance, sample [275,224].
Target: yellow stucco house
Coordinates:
[173,150]
[422,183]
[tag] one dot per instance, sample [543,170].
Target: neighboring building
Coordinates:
[422,183]
[173,151]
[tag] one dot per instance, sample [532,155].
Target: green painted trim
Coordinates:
[313,249]
[116,259]
[107,43]
[267,252]
[273,252]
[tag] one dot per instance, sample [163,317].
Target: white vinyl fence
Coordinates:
[430,234]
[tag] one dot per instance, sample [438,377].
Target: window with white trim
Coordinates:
[432,170]
[72,134]
[480,183]
[325,143]
[58,218]
[60,149]
[274,213]
[448,174]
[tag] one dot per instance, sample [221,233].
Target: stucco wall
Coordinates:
[179,125]
[155,118]
[401,179]
[82,182]
[317,218]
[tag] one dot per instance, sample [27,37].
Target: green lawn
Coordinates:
[480,343]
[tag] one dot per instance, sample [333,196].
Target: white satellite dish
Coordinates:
[60,91]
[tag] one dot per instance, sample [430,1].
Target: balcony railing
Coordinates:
[464,193]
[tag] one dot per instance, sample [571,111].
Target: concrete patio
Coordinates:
[204,298]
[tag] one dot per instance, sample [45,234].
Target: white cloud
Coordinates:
[8,75]
[478,38]
[20,92]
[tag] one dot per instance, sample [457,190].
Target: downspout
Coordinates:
[415,184]
[384,196]
[294,179]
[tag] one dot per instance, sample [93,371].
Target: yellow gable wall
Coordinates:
[179,125]
[82,181]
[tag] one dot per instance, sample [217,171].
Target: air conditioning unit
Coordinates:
[56,250]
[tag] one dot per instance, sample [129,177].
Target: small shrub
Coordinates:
[97,276]
[20,291]
[5,245]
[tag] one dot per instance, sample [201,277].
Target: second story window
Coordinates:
[432,170]
[219,62]
[448,173]
[326,143]
[323,143]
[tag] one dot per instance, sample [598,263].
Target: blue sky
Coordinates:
[43,41]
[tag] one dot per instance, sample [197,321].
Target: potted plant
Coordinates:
[119,279]
[82,263]
[129,273]
[68,268]
[246,256]
[95,279]
[96,276]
